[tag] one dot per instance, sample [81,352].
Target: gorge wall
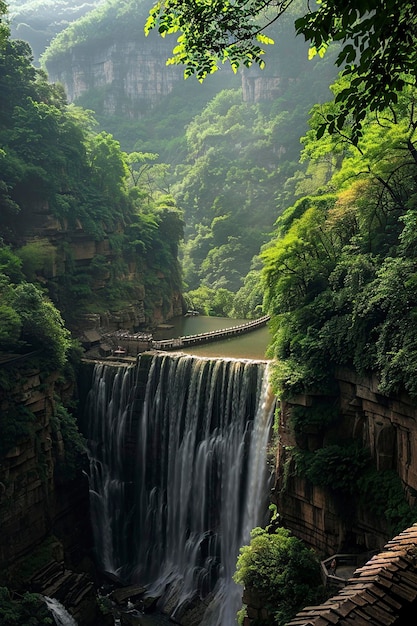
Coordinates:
[44,515]
[75,251]
[127,76]
[386,426]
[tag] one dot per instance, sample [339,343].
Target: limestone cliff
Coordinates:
[384,425]
[76,254]
[44,516]
[126,76]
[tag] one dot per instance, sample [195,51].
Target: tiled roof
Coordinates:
[378,594]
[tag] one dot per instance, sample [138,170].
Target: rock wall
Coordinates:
[44,519]
[386,426]
[73,250]
[27,470]
[127,75]
[30,507]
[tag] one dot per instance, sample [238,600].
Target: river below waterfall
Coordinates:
[178,476]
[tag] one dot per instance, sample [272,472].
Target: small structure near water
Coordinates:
[122,343]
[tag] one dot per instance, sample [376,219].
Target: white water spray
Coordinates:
[59,613]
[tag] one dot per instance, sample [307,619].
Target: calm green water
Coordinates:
[248,346]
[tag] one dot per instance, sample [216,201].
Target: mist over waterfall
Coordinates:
[178,474]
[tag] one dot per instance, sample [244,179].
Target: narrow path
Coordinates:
[212,335]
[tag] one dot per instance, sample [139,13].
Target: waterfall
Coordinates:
[178,474]
[59,613]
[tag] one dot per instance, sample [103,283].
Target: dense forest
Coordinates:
[340,273]
[55,164]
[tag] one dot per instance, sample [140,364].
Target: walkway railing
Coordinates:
[338,568]
[212,335]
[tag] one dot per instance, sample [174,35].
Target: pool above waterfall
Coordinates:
[252,345]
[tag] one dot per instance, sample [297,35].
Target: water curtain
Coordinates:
[178,474]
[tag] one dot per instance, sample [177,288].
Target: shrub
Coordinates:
[383,494]
[282,571]
[30,610]
[337,467]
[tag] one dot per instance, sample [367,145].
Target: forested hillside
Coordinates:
[65,190]
[37,21]
[340,275]
[229,156]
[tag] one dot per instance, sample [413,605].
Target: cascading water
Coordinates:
[59,613]
[178,474]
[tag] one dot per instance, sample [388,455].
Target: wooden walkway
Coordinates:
[213,335]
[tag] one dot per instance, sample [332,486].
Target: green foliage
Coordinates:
[336,467]
[74,444]
[225,33]
[10,265]
[247,303]
[382,493]
[42,324]
[233,33]
[237,158]
[51,157]
[4,29]
[30,609]
[238,176]
[364,31]
[37,257]
[98,26]
[38,21]
[315,418]
[28,318]
[339,275]
[346,470]
[216,302]
[282,571]
[10,327]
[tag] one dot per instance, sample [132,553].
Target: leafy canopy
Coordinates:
[4,29]
[212,31]
[339,276]
[377,43]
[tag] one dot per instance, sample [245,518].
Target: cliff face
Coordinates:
[386,426]
[126,76]
[43,516]
[27,487]
[75,252]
